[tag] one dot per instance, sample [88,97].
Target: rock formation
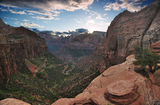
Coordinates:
[73,48]
[118,85]
[78,47]
[156,47]
[12,101]
[127,31]
[16,44]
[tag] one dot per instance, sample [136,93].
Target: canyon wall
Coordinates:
[127,31]
[16,44]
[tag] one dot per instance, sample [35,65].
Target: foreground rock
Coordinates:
[12,101]
[117,85]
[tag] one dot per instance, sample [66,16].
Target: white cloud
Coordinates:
[25,20]
[130,5]
[44,17]
[94,22]
[94,25]
[16,12]
[31,25]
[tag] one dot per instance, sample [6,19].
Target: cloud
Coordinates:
[49,5]
[12,11]
[25,20]
[98,16]
[94,25]
[31,25]
[16,12]
[130,5]
[44,17]
[94,22]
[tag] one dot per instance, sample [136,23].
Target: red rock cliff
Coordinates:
[16,44]
[127,31]
[118,85]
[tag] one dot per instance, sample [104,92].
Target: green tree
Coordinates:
[146,59]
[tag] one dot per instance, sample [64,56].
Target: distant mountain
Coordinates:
[78,47]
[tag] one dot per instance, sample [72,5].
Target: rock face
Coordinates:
[118,85]
[156,47]
[12,101]
[79,47]
[73,48]
[127,31]
[16,44]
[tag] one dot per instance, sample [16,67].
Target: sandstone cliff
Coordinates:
[127,31]
[118,85]
[16,44]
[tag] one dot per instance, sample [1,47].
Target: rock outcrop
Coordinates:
[16,44]
[118,85]
[12,101]
[127,31]
[156,47]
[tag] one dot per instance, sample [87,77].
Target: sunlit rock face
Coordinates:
[16,44]
[12,101]
[127,31]
[117,85]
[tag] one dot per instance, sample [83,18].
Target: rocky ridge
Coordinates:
[117,85]
[16,44]
[127,31]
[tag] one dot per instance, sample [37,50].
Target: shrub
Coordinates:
[147,60]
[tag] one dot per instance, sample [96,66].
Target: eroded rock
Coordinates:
[12,101]
[118,85]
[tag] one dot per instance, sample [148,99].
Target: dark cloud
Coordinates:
[69,5]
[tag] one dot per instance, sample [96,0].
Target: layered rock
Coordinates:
[118,85]
[156,48]
[17,44]
[127,31]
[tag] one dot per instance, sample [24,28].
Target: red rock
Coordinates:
[18,44]
[118,85]
[12,101]
[127,31]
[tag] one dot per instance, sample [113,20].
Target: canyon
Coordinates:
[112,59]
[16,44]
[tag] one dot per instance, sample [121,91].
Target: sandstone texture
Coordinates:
[12,101]
[118,85]
[17,44]
[156,47]
[127,31]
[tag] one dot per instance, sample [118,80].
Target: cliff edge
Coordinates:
[117,85]
[127,31]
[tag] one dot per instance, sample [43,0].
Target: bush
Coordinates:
[145,58]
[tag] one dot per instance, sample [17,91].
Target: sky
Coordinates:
[66,15]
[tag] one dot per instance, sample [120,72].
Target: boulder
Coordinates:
[12,101]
